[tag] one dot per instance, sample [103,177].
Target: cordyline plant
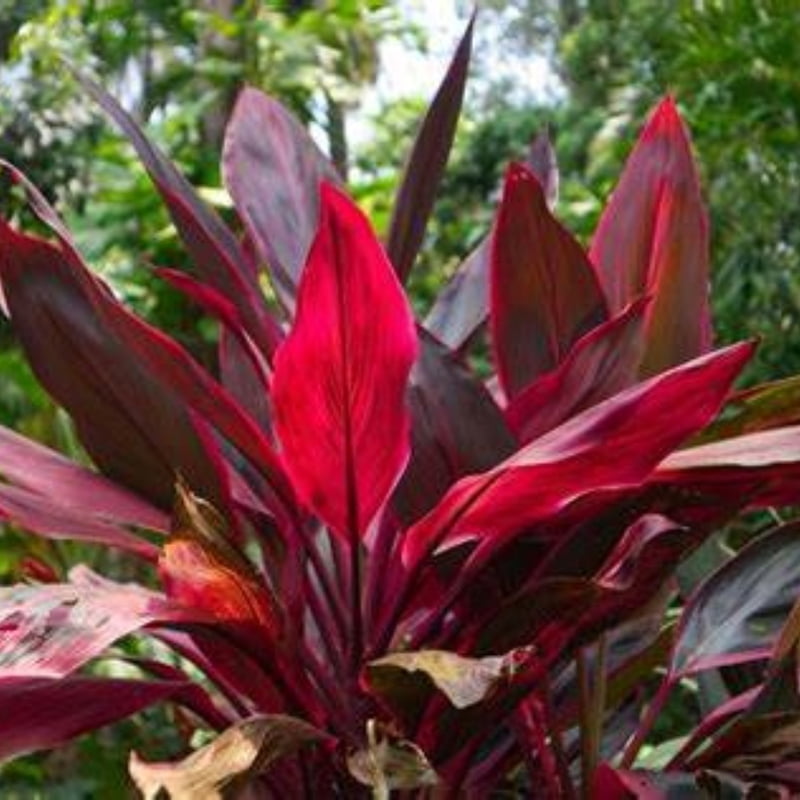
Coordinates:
[379,574]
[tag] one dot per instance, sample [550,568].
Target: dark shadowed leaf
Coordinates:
[417,190]
[245,749]
[600,365]
[340,377]
[457,429]
[272,169]
[134,427]
[618,784]
[544,291]
[215,252]
[738,612]
[652,240]
[40,713]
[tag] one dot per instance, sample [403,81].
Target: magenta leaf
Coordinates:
[53,629]
[134,427]
[545,294]
[653,240]
[615,444]
[423,172]
[272,169]
[39,713]
[340,377]
[215,252]
[598,366]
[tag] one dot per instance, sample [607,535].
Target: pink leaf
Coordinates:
[340,377]
[653,240]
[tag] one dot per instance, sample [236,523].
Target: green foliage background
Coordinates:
[734,66]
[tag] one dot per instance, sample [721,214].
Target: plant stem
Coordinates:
[647,722]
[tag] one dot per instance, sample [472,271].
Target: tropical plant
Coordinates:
[379,571]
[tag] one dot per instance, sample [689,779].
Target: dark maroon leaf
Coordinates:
[457,429]
[545,294]
[272,169]
[134,427]
[214,250]
[736,615]
[417,190]
[600,365]
[40,713]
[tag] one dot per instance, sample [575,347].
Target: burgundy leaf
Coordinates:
[40,713]
[214,250]
[423,172]
[614,444]
[53,629]
[545,294]
[599,365]
[134,427]
[653,240]
[272,169]
[340,377]
[457,429]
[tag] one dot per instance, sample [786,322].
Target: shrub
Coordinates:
[380,571]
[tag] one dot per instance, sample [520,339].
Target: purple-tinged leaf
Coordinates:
[50,630]
[243,379]
[543,164]
[620,784]
[735,615]
[544,292]
[340,377]
[48,473]
[457,429]
[599,365]
[45,515]
[215,252]
[40,713]
[272,169]
[416,193]
[244,750]
[652,240]
[612,445]
[134,427]
[463,305]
